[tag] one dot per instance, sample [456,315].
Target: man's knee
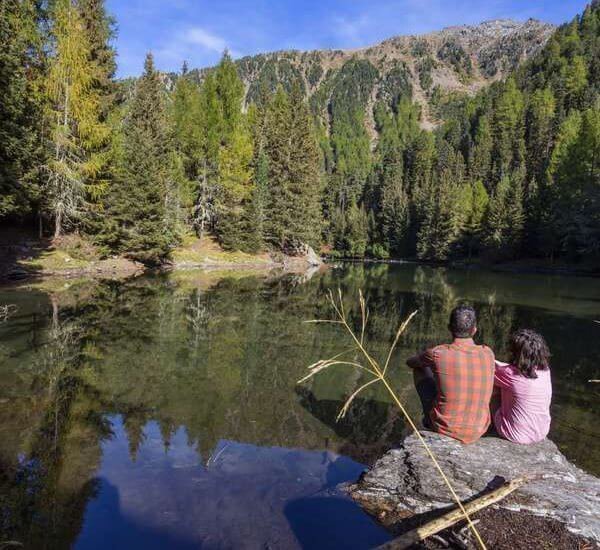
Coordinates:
[426,388]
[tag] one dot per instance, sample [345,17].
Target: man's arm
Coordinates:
[414,362]
[421,360]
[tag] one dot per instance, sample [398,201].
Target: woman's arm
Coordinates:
[502,375]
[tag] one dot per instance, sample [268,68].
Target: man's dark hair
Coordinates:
[529,352]
[463,321]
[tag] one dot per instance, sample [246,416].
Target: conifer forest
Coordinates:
[508,172]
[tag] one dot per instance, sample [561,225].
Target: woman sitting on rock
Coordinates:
[525,388]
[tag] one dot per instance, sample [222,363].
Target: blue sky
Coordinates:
[199,30]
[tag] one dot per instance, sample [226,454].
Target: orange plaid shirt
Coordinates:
[464,375]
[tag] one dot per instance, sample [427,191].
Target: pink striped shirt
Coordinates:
[524,413]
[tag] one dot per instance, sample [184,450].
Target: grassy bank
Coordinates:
[206,252]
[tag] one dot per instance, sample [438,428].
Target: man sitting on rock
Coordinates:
[455,381]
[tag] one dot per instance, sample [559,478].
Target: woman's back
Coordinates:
[524,413]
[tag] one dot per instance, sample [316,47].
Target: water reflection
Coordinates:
[166,408]
[242,496]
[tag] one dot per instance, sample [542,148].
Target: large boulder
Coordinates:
[406,482]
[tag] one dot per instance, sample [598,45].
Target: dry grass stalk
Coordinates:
[379,375]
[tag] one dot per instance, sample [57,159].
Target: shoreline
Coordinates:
[73,257]
[121,268]
[531,266]
[23,258]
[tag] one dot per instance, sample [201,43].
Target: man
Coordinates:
[455,381]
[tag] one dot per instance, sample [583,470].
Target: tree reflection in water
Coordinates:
[219,358]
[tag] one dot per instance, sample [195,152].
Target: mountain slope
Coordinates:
[457,59]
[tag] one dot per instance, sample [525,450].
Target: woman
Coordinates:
[525,389]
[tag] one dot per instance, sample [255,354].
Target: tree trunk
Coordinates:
[58,225]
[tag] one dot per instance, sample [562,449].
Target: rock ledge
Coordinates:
[405,481]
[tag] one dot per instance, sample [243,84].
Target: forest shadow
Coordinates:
[20,250]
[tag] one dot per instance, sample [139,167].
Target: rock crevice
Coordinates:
[406,482]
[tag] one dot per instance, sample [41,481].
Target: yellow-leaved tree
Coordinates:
[77,133]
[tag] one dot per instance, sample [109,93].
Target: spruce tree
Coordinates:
[305,214]
[100,30]
[293,212]
[444,207]
[137,220]
[356,232]
[395,213]
[235,186]
[189,131]
[477,199]
[505,218]
[21,107]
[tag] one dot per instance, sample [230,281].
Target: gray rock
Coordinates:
[405,480]
[312,258]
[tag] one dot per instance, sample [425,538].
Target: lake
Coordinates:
[164,412]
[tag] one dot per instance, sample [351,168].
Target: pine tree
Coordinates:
[293,210]
[575,184]
[78,133]
[20,105]
[505,218]
[443,207]
[188,122]
[477,199]
[508,128]
[236,188]
[100,30]
[305,214]
[481,161]
[233,205]
[137,221]
[395,214]
[355,238]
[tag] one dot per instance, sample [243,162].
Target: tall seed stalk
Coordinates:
[378,372]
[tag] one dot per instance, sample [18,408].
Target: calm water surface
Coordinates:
[164,412]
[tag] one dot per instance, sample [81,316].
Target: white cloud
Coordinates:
[201,37]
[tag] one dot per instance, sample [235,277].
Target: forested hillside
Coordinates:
[471,142]
[428,67]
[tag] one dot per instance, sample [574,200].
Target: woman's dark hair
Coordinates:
[529,352]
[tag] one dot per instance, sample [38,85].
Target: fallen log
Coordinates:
[447,520]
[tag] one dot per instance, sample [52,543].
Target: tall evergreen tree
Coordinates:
[293,211]
[444,211]
[21,108]
[137,217]
[505,218]
[99,27]
[234,220]
[189,131]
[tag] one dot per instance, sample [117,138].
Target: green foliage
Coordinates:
[292,211]
[78,135]
[510,171]
[444,208]
[575,184]
[138,221]
[454,53]
[21,106]
[425,67]
[505,218]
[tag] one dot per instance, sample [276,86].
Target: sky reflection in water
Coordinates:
[164,412]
